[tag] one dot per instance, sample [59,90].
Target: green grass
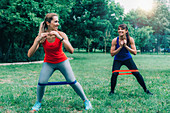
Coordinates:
[93,71]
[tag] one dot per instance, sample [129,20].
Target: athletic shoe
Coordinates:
[111,93]
[36,106]
[148,92]
[87,105]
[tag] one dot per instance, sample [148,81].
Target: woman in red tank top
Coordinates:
[55,58]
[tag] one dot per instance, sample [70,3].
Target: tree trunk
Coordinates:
[88,45]
[7,53]
[1,55]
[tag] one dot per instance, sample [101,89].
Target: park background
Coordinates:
[90,25]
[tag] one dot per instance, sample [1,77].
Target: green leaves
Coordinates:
[20,20]
[90,19]
[158,26]
[142,36]
[81,19]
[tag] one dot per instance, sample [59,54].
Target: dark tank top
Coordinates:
[123,54]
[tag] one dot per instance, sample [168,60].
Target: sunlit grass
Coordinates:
[93,71]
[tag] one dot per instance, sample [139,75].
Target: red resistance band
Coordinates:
[125,71]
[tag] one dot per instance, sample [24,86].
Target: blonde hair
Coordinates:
[43,26]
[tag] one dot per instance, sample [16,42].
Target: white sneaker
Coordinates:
[87,105]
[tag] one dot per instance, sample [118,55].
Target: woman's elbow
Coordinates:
[71,51]
[135,52]
[28,55]
[112,54]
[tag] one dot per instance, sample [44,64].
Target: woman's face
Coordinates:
[54,23]
[122,32]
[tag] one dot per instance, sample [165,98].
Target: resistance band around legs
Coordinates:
[124,72]
[57,83]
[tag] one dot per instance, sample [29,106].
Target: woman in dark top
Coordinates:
[121,48]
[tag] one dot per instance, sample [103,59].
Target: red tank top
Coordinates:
[53,52]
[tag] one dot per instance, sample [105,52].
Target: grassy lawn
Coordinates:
[93,71]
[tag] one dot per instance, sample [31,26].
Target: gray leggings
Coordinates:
[65,68]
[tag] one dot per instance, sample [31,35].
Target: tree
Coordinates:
[83,21]
[17,18]
[19,24]
[160,24]
[115,15]
[142,37]
[157,18]
[91,19]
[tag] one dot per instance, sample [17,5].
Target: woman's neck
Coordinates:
[122,37]
[49,30]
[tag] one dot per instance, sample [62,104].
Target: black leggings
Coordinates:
[131,66]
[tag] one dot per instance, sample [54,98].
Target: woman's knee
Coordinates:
[114,75]
[70,80]
[43,81]
[70,77]
[136,74]
[73,83]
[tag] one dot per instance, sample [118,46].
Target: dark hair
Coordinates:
[124,26]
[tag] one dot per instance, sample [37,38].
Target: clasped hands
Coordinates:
[123,43]
[43,36]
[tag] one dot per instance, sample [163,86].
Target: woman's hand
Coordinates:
[42,37]
[56,34]
[121,43]
[125,42]
[132,48]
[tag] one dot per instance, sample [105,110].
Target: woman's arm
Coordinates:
[133,47]
[33,48]
[39,39]
[36,43]
[62,36]
[66,43]
[113,52]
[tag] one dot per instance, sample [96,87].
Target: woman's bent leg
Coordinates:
[45,74]
[66,70]
[116,66]
[132,66]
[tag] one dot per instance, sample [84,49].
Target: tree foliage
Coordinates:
[90,24]
[142,37]
[160,23]
[88,21]
[19,24]
[157,19]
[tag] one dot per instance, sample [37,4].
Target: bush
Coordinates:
[20,55]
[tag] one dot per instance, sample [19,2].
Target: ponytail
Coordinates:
[42,28]
[128,37]
[43,25]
